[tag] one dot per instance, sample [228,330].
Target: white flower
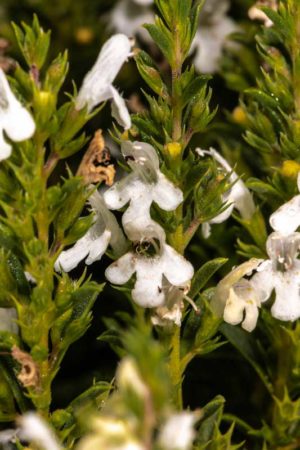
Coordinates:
[145,185]
[104,232]
[282,273]
[255,13]
[97,85]
[235,298]
[171,311]
[129,379]
[7,437]
[211,35]
[286,219]
[15,120]
[8,317]
[148,290]
[238,196]
[34,429]
[178,432]
[110,433]
[129,16]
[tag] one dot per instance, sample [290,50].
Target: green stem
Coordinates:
[175,368]
[176,238]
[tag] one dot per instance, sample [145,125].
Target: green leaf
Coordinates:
[204,274]
[33,42]
[56,73]
[193,89]
[212,415]
[163,39]
[150,74]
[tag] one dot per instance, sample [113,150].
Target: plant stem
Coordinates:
[175,368]
[176,238]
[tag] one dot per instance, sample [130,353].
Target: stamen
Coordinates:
[193,304]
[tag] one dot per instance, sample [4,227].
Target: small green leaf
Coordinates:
[150,74]
[204,274]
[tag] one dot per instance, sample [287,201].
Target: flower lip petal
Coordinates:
[166,195]
[15,120]
[19,124]
[286,219]
[177,269]
[120,271]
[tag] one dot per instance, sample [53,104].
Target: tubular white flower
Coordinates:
[235,298]
[242,305]
[286,219]
[110,433]
[210,38]
[282,273]
[15,120]
[34,429]
[148,290]
[255,13]
[145,185]
[178,432]
[129,16]
[97,85]
[238,196]
[8,317]
[171,311]
[104,232]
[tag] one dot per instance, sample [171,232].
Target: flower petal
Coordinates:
[34,429]
[117,240]
[19,125]
[120,193]
[89,246]
[96,86]
[286,219]
[144,2]
[209,42]
[128,18]
[176,268]
[287,288]
[14,118]
[263,281]
[119,109]
[148,290]
[142,158]
[178,432]
[5,148]
[120,271]
[166,195]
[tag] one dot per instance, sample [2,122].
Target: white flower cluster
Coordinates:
[128,17]
[159,269]
[239,299]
